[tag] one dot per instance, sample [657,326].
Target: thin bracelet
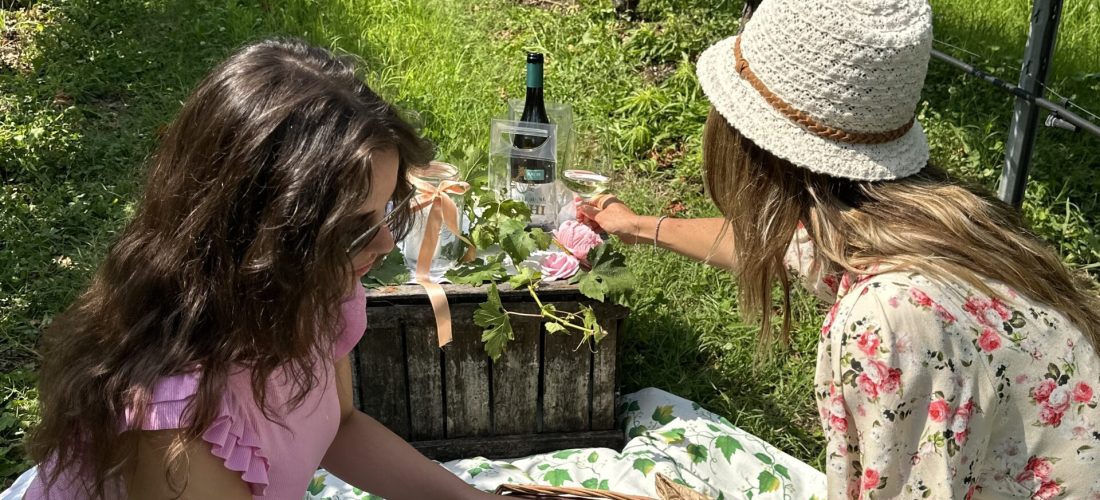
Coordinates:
[657,231]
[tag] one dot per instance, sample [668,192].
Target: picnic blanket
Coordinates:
[667,434]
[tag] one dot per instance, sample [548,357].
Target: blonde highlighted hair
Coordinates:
[924,223]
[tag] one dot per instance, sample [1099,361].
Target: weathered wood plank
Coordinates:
[565,381]
[414,294]
[516,381]
[425,375]
[503,447]
[604,370]
[466,378]
[382,378]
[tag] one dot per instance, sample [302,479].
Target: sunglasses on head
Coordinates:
[391,208]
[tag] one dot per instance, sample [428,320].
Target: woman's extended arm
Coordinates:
[366,454]
[701,239]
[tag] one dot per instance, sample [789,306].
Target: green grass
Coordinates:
[82,96]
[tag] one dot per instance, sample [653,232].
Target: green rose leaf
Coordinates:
[391,271]
[767,482]
[663,414]
[728,445]
[644,465]
[698,453]
[498,328]
[557,477]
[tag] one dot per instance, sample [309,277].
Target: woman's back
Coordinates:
[992,396]
[276,461]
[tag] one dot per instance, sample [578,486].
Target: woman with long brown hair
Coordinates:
[209,356]
[959,356]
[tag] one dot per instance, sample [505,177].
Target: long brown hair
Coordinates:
[235,257]
[925,223]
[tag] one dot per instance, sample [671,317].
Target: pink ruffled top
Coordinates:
[276,462]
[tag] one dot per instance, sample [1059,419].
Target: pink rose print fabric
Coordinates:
[932,390]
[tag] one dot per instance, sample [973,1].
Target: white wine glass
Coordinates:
[589,174]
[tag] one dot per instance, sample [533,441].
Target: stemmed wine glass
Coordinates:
[589,174]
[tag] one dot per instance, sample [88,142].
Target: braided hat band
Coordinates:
[741,65]
[831,86]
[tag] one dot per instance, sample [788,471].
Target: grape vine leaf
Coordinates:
[477,272]
[608,276]
[515,240]
[541,238]
[391,271]
[491,316]
[728,445]
[526,276]
[552,327]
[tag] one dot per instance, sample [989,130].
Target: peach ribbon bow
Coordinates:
[443,211]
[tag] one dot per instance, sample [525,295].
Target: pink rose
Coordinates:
[886,378]
[868,386]
[938,410]
[839,424]
[1043,390]
[944,314]
[870,479]
[989,340]
[1050,416]
[1000,308]
[965,410]
[892,382]
[1036,469]
[553,265]
[920,298]
[868,342]
[1048,490]
[577,238]
[1059,399]
[1039,467]
[1082,393]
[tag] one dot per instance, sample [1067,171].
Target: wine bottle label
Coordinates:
[533,175]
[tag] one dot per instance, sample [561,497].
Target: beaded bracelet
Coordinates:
[657,231]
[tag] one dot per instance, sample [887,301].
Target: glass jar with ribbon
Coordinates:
[434,243]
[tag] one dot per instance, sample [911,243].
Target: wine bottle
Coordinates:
[533,175]
[525,170]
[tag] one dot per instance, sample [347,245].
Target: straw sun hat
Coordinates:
[829,85]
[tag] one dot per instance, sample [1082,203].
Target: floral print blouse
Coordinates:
[933,390]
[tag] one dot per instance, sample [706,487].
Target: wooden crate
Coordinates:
[543,394]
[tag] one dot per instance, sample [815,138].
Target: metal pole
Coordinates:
[1038,52]
[1056,110]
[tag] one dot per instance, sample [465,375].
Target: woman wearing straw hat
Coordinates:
[958,358]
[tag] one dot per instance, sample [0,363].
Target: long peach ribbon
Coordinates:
[443,211]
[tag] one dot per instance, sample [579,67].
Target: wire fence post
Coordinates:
[1038,54]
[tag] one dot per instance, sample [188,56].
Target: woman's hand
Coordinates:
[612,216]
